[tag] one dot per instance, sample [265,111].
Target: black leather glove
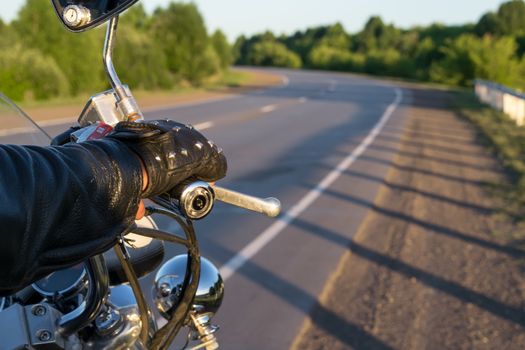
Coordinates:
[171,152]
[65,137]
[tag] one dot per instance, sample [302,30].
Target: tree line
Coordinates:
[39,59]
[492,49]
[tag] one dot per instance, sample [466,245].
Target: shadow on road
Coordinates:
[425,270]
[483,210]
[347,332]
[511,313]
[428,226]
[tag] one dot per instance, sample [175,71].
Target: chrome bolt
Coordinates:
[44,335]
[165,289]
[76,15]
[107,322]
[39,310]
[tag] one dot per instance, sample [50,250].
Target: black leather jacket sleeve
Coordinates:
[61,205]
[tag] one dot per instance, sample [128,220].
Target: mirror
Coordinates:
[81,15]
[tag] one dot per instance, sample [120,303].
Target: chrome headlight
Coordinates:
[169,281]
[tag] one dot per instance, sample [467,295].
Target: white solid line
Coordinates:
[16,131]
[232,265]
[26,130]
[268,109]
[60,121]
[204,126]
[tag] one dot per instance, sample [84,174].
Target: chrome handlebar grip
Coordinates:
[270,207]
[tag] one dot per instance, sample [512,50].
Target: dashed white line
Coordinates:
[303,99]
[268,109]
[333,86]
[249,251]
[60,121]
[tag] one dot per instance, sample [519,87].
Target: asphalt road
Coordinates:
[286,142]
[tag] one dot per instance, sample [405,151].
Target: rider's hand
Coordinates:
[171,153]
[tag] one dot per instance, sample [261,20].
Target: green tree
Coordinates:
[302,42]
[489,23]
[440,33]
[27,73]
[512,17]
[222,48]
[389,62]
[377,36]
[273,53]
[336,38]
[8,37]
[425,54]
[78,55]
[141,62]
[469,57]
[240,50]
[326,57]
[181,31]
[137,17]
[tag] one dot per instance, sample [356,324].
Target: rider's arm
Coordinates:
[60,205]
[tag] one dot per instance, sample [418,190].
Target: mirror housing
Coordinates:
[81,15]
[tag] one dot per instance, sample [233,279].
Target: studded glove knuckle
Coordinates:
[172,152]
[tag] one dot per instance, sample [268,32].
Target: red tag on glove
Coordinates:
[101,130]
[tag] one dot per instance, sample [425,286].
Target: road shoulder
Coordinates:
[426,269]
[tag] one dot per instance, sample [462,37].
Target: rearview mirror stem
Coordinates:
[125,100]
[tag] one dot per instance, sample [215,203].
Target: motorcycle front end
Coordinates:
[100,304]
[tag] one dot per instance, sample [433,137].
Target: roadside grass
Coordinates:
[506,140]
[228,79]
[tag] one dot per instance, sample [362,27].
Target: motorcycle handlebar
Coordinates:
[196,200]
[270,207]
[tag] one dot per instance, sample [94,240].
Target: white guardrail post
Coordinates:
[506,100]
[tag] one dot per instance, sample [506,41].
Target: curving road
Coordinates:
[298,142]
[288,142]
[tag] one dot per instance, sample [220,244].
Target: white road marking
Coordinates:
[16,131]
[204,126]
[303,99]
[268,109]
[27,130]
[333,86]
[60,121]
[249,251]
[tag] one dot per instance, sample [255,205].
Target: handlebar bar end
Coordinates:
[273,209]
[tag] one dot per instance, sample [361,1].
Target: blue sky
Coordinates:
[237,17]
